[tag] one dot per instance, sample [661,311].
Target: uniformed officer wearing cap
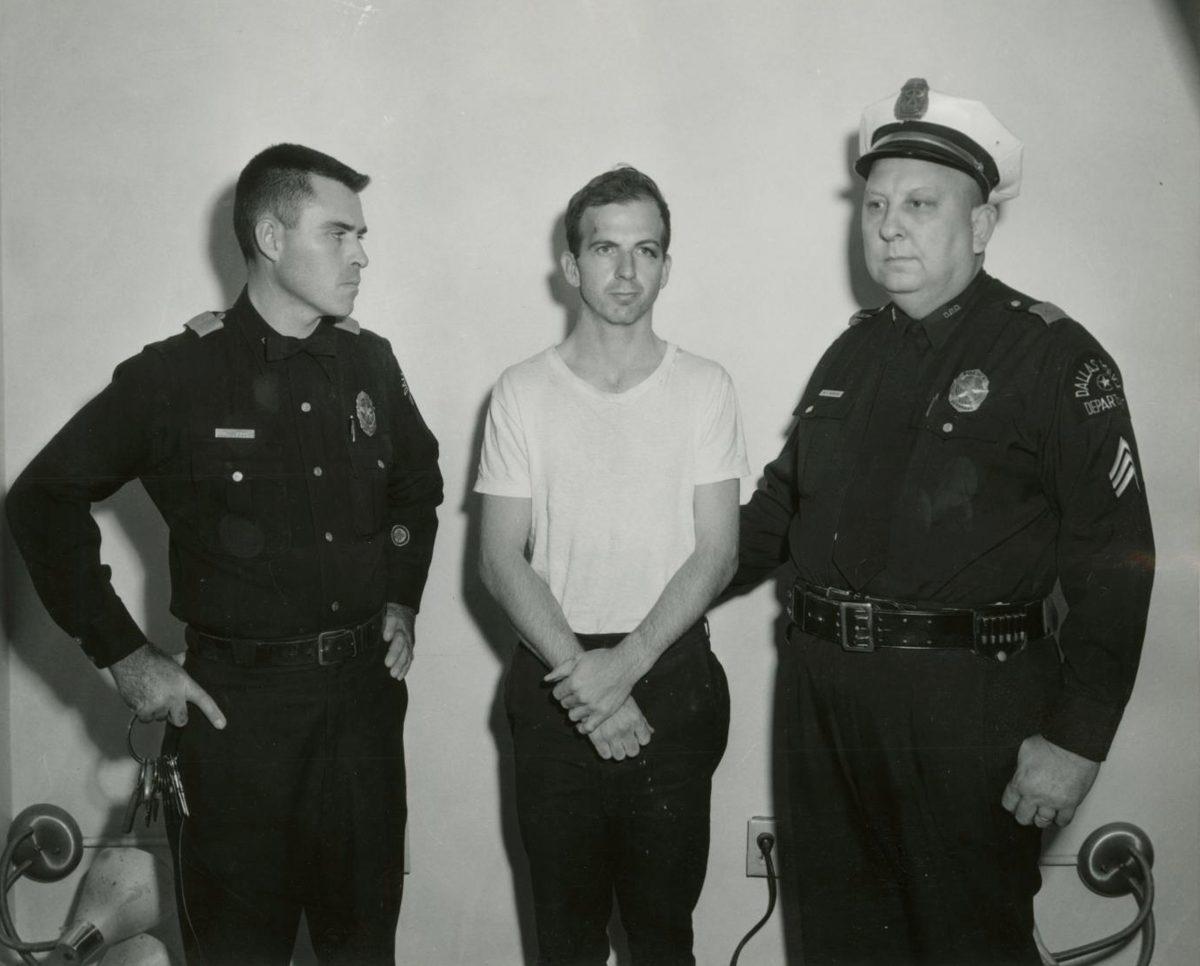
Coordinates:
[956,452]
[298,480]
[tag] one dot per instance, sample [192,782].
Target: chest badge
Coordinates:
[968,391]
[364,409]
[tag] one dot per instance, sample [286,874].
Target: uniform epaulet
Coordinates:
[206,323]
[348,325]
[1048,311]
[862,315]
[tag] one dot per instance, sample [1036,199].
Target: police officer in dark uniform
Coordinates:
[282,446]
[956,453]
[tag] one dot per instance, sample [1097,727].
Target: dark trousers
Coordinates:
[897,847]
[298,805]
[638,828]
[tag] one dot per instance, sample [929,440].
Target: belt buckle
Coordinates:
[858,625]
[332,647]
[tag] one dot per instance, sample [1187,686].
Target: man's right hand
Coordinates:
[154,686]
[623,733]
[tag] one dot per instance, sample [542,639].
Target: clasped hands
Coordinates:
[594,688]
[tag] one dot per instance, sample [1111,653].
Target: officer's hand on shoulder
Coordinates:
[154,687]
[1048,784]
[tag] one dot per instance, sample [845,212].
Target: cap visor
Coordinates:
[921,151]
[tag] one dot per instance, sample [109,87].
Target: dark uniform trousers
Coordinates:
[316,754]
[895,761]
[638,827]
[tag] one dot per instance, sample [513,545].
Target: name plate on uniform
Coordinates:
[225,433]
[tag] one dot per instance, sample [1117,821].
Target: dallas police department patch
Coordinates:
[400,535]
[1124,469]
[1096,384]
[365,410]
[968,391]
[403,383]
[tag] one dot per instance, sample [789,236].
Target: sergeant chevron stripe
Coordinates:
[1123,471]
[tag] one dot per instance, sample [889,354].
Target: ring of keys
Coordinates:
[159,786]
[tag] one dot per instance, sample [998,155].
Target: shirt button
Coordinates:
[947,427]
[306,407]
[237,476]
[328,537]
[317,471]
[808,409]
[334,606]
[380,464]
[1015,303]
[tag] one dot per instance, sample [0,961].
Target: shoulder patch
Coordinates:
[1048,311]
[1095,385]
[206,323]
[348,325]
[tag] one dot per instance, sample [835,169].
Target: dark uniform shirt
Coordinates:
[969,458]
[297,479]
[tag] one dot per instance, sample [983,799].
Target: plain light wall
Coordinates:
[126,122]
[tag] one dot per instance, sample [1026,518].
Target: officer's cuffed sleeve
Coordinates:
[414,491]
[107,443]
[1105,549]
[764,522]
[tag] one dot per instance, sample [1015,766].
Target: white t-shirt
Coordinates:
[611,476]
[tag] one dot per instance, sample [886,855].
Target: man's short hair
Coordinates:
[622,184]
[278,181]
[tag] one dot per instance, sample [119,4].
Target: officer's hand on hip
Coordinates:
[1048,784]
[154,686]
[399,634]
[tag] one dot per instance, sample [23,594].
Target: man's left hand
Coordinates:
[1049,783]
[592,685]
[398,633]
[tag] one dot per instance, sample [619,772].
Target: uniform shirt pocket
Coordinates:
[240,487]
[820,444]
[369,461]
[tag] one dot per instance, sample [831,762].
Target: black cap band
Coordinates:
[932,142]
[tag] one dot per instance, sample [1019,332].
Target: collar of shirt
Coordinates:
[939,323]
[323,341]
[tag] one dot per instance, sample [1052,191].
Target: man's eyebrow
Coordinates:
[345,226]
[637,244]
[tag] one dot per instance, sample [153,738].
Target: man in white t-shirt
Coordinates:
[609,476]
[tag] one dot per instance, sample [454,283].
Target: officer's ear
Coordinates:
[570,268]
[983,223]
[268,237]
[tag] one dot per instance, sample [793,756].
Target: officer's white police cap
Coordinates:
[931,126]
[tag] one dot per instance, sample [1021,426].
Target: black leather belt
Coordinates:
[861,623]
[326,648]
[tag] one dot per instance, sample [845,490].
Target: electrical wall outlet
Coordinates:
[755,864]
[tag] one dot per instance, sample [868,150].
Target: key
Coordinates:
[175,782]
[152,796]
[135,801]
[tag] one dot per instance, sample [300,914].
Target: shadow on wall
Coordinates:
[228,264]
[865,292]
[1187,16]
